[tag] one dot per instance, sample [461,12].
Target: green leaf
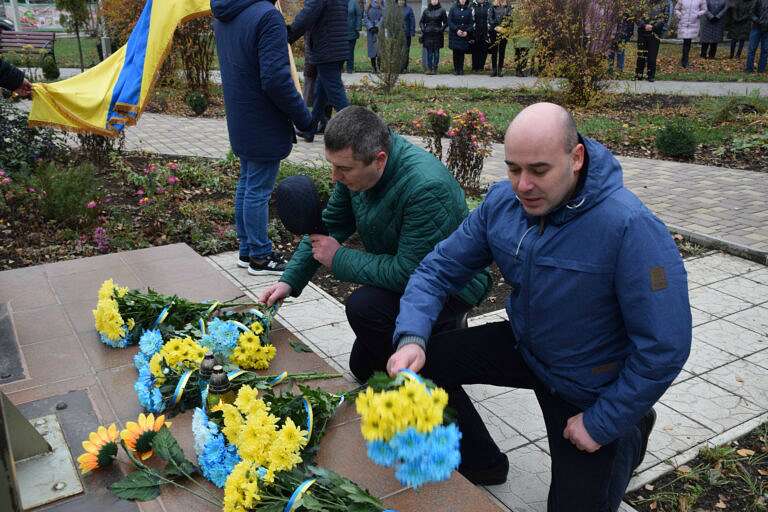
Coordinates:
[167,448]
[309,502]
[138,486]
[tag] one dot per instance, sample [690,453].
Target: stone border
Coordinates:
[718,244]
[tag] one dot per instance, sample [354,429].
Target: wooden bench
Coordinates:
[27,42]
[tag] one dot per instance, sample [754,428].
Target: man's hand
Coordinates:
[25,89]
[577,434]
[411,357]
[648,28]
[274,293]
[324,249]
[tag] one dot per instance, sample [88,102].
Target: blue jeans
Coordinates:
[328,89]
[757,37]
[351,57]
[618,55]
[433,57]
[257,178]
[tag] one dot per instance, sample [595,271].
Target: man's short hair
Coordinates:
[570,133]
[360,129]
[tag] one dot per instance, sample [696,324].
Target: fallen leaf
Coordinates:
[745,452]
[648,487]
[684,469]
[652,506]
[763,472]
[740,380]
[720,504]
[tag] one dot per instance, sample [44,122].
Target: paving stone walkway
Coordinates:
[513,82]
[721,394]
[724,204]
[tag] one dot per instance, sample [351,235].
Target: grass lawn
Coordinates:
[67,55]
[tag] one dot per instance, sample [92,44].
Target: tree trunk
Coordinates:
[79,47]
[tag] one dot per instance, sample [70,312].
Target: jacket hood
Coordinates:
[227,10]
[603,177]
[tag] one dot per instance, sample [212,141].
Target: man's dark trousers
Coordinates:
[488,354]
[647,52]
[329,90]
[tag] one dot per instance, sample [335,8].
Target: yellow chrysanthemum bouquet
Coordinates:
[404,424]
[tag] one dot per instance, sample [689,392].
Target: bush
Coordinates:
[50,68]
[432,128]
[65,193]
[120,16]
[471,139]
[676,140]
[197,101]
[98,148]
[21,146]
[391,44]
[320,174]
[735,107]
[194,44]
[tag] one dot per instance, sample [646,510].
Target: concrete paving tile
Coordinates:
[75,287]
[41,324]
[213,287]
[308,315]
[81,265]
[759,358]
[731,337]
[520,410]
[26,289]
[226,260]
[699,317]
[479,392]
[742,378]
[761,276]
[704,357]
[333,339]
[683,375]
[743,288]
[709,404]
[731,264]
[506,437]
[54,360]
[754,319]
[715,302]
[182,269]
[527,482]
[117,384]
[289,360]
[454,495]
[100,355]
[674,433]
[699,271]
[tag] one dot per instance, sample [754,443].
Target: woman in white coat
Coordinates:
[688,13]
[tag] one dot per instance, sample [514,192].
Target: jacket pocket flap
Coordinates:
[579,266]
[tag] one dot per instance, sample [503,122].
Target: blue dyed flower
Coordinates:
[148,394]
[218,459]
[444,437]
[140,360]
[200,430]
[221,337]
[119,343]
[381,453]
[412,474]
[409,444]
[151,342]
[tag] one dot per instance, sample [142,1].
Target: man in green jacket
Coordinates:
[401,201]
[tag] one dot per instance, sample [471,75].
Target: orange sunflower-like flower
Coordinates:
[138,437]
[100,449]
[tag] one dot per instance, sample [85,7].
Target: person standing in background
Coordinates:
[738,24]
[497,41]
[688,13]
[434,21]
[372,19]
[624,32]
[354,24]
[461,30]
[650,25]
[480,46]
[712,27]
[409,28]
[758,37]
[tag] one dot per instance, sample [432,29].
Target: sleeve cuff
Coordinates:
[412,340]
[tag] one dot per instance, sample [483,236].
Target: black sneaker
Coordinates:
[243,262]
[307,136]
[272,264]
[646,427]
[495,474]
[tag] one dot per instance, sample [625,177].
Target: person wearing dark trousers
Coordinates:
[480,46]
[650,26]
[712,27]
[373,17]
[624,32]
[12,79]
[497,41]
[433,23]
[325,22]
[738,24]
[262,106]
[401,201]
[409,21]
[758,37]
[621,334]
[354,24]
[688,14]
[461,30]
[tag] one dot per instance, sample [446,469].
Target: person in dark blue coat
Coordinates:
[326,22]
[262,105]
[354,24]
[461,33]
[599,318]
[12,79]
[409,21]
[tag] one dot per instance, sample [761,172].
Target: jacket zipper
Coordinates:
[528,265]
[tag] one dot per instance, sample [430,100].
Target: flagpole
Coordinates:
[294,72]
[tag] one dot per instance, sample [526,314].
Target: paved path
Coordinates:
[513,82]
[721,394]
[726,204]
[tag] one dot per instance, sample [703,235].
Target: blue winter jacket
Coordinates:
[354,20]
[599,307]
[260,98]
[326,22]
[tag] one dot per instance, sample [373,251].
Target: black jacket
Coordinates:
[433,22]
[11,77]
[496,15]
[460,18]
[481,20]
[326,22]
[760,15]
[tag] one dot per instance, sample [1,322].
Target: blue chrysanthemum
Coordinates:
[412,474]
[140,360]
[151,342]
[409,444]
[218,459]
[119,343]
[149,396]
[444,437]
[381,453]
[201,431]
[221,337]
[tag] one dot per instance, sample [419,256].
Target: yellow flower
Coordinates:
[131,324]
[182,353]
[233,421]
[108,319]
[241,491]
[156,367]
[100,449]
[138,436]
[257,328]
[105,291]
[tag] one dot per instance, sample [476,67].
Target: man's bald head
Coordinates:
[542,122]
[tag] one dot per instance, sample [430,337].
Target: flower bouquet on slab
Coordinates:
[404,422]
[122,315]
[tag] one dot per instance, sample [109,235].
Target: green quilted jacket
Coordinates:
[415,205]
